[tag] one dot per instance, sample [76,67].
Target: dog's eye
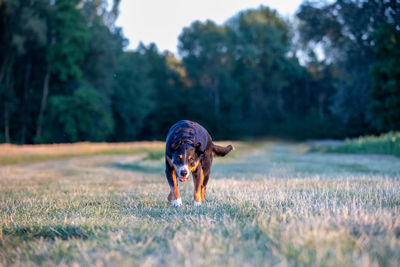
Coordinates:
[180,156]
[192,164]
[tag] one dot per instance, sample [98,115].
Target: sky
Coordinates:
[161,21]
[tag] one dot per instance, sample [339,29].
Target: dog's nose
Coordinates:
[183,173]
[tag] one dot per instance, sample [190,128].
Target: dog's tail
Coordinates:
[220,150]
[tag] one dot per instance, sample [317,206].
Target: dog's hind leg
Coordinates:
[204,186]
[198,179]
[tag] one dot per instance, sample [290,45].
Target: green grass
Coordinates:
[267,205]
[388,144]
[155,155]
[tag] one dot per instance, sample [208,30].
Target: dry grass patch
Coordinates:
[12,154]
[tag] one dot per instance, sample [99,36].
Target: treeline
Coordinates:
[331,72]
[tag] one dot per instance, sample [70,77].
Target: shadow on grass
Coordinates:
[49,232]
[137,167]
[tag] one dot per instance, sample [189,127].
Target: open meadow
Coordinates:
[266,204]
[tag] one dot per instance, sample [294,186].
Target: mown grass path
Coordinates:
[269,204]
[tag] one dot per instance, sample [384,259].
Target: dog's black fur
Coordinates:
[189,144]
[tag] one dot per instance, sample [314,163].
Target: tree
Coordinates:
[172,93]
[132,97]
[242,69]
[47,50]
[80,117]
[261,48]
[385,90]
[67,35]
[64,74]
[207,52]
[22,28]
[105,45]
[345,31]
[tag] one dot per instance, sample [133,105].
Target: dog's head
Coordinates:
[184,159]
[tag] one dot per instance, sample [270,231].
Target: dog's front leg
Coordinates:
[198,184]
[173,183]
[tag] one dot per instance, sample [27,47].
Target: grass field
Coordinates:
[266,204]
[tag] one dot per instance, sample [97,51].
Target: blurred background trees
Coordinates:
[350,34]
[331,72]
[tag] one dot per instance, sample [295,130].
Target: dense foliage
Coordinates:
[332,72]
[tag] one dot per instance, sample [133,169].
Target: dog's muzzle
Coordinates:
[183,174]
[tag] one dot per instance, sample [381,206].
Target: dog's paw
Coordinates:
[197,203]
[177,202]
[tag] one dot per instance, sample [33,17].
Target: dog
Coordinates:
[190,149]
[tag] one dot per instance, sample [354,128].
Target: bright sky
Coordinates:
[161,21]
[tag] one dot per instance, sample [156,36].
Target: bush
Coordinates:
[388,143]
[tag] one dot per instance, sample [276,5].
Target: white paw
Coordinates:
[177,202]
[197,203]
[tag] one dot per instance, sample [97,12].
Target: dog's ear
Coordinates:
[199,148]
[176,145]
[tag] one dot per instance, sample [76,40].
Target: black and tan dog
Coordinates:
[189,149]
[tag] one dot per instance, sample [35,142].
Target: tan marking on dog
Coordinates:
[192,169]
[203,193]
